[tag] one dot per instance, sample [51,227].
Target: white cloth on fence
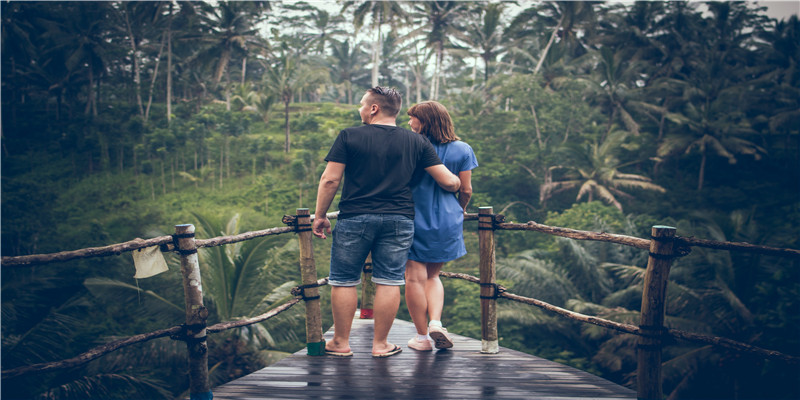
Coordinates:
[149,262]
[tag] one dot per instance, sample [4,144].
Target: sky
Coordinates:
[781,9]
[778,9]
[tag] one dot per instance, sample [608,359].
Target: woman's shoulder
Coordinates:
[461,145]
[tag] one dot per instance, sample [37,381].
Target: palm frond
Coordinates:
[109,386]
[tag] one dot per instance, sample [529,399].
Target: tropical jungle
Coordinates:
[121,120]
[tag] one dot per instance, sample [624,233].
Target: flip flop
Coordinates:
[397,349]
[339,353]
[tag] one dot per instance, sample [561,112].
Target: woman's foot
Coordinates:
[440,337]
[420,345]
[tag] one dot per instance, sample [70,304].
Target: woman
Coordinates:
[438,220]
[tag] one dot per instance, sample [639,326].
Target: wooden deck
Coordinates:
[459,373]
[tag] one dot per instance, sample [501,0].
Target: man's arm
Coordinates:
[328,186]
[446,179]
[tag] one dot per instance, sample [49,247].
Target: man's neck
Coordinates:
[381,120]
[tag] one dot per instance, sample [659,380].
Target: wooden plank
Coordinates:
[458,373]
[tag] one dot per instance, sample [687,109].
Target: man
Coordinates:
[376,213]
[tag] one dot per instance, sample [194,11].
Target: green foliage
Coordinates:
[655,95]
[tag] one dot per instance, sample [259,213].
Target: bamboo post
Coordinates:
[651,326]
[196,314]
[367,290]
[308,270]
[489,340]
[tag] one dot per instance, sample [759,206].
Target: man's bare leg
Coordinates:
[416,299]
[387,301]
[344,300]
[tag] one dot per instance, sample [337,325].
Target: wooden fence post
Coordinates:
[308,271]
[367,290]
[489,339]
[196,314]
[651,326]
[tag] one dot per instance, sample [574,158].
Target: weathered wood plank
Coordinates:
[459,373]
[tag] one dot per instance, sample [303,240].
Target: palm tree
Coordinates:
[136,17]
[486,36]
[318,26]
[287,75]
[596,173]
[716,89]
[615,87]
[244,279]
[347,69]
[565,18]
[440,25]
[381,12]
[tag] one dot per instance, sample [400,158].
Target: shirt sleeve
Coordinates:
[470,162]
[428,157]
[338,152]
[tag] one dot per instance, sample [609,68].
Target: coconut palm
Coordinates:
[244,279]
[614,86]
[716,89]
[233,27]
[563,18]
[597,174]
[485,34]
[440,25]
[347,69]
[381,12]
[287,75]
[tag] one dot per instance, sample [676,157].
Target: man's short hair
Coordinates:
[389,99]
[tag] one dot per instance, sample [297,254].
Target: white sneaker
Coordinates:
[440,337]
[421,345]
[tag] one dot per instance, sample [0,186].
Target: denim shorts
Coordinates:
[387,236]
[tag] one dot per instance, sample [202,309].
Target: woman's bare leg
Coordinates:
[434,291]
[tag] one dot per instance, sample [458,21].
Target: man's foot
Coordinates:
[395,350]
[339,353]
[440,337]
[420,345]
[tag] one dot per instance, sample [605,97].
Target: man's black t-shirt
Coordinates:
[380,161]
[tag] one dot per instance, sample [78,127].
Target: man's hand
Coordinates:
[321,226]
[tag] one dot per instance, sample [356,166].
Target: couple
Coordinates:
[391,175]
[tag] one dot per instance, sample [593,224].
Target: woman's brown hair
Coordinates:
[435,120]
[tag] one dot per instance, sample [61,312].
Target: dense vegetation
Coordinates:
[122,119]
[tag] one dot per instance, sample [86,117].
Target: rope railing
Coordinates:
[174,332]
[632,329]
[167,242]
[664,246]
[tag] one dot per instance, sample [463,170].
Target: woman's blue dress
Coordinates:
[439,219]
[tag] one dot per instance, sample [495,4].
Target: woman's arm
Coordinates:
[465,192]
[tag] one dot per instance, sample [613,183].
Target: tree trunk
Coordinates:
[153,80]
[90,100]
[137,78]
[547,48]
[536,126]
[163,178]
[244,69]
[702,174]
[437,72]
[169,66]
[286,121]
[376,54]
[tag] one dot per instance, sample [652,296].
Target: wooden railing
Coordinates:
[663,247]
